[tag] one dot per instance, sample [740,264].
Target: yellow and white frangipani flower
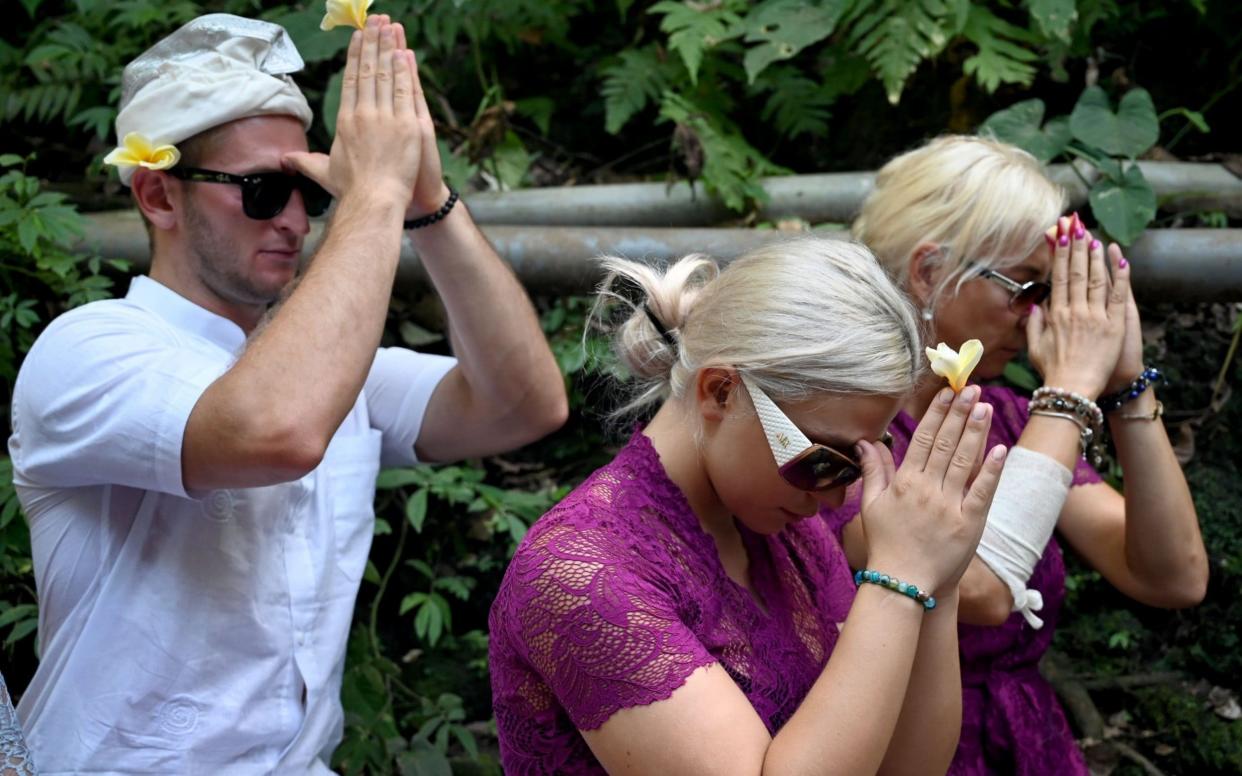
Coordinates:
[956,365]
[137,151]
[345,13]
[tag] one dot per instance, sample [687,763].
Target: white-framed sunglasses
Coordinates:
[801,462]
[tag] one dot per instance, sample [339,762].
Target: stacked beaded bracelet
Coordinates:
[1058,403]
[1149,377]
[895,584]
[428,220]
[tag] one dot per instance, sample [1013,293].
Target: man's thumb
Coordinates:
[313,166]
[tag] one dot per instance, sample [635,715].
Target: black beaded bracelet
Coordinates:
[1112,402]
[428,220]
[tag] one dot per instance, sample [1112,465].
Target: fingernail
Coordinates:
[1095,245]
[1123,263]
[968,394]
[1064,241]
[998,453]
[979,411]
[945,396]
[1080,232]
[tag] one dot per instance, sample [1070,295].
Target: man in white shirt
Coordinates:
[199,486]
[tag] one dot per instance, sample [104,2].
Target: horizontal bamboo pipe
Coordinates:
[1182,265]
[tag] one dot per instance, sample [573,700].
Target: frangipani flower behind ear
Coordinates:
[137,151]
[953,365]
[345,13]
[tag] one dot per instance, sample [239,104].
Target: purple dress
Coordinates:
[1011,720]
[617,595]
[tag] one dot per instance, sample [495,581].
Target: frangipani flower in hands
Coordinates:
[345,13]
[137,151]
[954,365]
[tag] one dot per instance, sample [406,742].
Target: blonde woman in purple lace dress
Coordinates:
[678,613]
[972,229]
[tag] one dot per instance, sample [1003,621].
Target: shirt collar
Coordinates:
[183,314]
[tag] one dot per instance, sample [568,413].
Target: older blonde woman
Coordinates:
[970,228]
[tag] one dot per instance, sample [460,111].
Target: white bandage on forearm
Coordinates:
[1024,512]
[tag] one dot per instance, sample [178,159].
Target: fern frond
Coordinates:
[695,28]
[897,35]
[797,105]
[1000,58]
[634,79]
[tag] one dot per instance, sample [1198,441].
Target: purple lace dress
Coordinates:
[1011,720]
[617,595]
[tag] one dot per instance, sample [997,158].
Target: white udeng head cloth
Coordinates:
[215,69]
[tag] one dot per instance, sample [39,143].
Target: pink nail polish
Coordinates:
[1095,245]
[1064,241]
[1080,232]
[1123,263]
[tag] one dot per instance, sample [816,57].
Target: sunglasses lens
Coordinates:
[314,197]
[265,196]
[1031,293]
[820,468]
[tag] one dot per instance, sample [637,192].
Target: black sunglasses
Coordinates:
[1021,295]
[264,194]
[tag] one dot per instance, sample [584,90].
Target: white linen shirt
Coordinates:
[185,633]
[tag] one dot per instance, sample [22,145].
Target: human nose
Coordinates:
[293,218]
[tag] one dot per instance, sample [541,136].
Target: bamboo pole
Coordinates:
[818,198]
[1183,265]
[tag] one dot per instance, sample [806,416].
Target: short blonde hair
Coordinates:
[799,317]
[980,200]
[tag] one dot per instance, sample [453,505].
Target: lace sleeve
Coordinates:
[14,757]
[588,613]
[1012,411]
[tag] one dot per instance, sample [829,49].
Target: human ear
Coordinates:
[154,198]
[714,392]
[924,270]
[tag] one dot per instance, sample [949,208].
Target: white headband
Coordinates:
[215,69]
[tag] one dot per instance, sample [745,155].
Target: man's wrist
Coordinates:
[425,207]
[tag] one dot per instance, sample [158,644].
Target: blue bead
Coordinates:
[858,577]
[902,587]
[884,579]
[930,603]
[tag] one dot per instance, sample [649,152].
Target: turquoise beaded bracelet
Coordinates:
[896,585]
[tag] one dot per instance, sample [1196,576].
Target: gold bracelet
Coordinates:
[1153,415]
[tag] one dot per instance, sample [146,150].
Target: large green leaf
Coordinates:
[313,44]
[332,102]
[1129,132]
[1124,208]
[782,28]
[1019,124]
[1054,17]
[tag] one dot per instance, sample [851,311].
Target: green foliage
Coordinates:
[897,35]
[1122,200]
[1001,59]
